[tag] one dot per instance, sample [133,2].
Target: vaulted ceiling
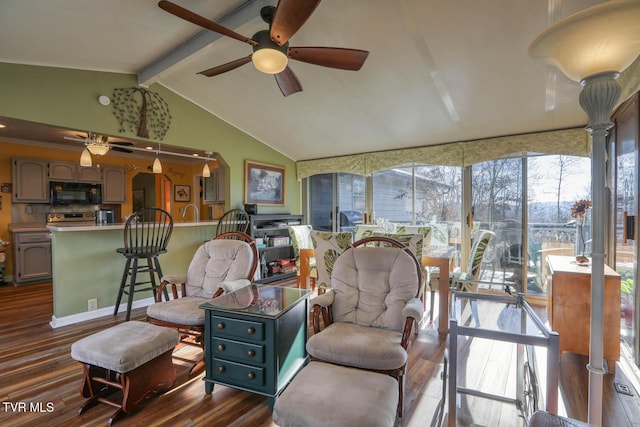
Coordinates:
[438,71]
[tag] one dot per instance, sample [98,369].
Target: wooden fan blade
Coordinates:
[194,18]
[226,67]
[333,57]
[288,82]
[121,149]
[290,15]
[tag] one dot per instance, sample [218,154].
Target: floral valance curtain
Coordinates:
[574,142]
[629,81]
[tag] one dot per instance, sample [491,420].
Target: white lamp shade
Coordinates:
[157,166]
[602,38]
[85,158]
[206,172]
[269,61]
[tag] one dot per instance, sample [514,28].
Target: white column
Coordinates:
[597,98]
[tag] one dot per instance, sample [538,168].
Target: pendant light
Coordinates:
[85,158]
[206,172]
[157,166]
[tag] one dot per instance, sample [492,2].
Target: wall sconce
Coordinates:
[593,47]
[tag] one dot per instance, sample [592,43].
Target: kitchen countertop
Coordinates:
[27,226]
[118,226]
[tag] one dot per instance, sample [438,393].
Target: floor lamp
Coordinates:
[593,47]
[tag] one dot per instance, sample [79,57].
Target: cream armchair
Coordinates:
[366,319]
[224,264]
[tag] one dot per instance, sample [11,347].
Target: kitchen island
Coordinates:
[86,265]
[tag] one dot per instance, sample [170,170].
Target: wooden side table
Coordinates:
[255,338]
[569,307]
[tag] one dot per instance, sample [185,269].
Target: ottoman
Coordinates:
[334,396]
[134,357]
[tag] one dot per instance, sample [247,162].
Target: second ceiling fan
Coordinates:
[271,49]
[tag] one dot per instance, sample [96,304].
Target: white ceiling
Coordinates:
[438,71]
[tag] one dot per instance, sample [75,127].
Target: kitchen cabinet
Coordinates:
[113,185]
[69,171]
[272,228]
[255,338]
[32,256]
[213,188]
[30,180]
[569,307]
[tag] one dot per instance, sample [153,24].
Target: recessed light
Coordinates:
[149,148]
[196,155]
[2,126]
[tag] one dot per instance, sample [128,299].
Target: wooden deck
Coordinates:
[39,382]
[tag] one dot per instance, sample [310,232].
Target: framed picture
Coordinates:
[182,193]
[263,184]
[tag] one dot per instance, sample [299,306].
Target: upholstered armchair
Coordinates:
[415,243]
[366,319]
[224,264]
[302,245]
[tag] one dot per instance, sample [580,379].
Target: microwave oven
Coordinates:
[75,193]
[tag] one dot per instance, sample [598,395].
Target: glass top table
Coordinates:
[258,300]
[508,319]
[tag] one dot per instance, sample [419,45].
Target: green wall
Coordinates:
[86,264]
[68,98]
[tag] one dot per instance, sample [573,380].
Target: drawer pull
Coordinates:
[251,331]
[221,369]
[220,347]
[251,353]
[220,326]
[251,375]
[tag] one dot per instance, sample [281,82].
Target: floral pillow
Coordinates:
[328,247]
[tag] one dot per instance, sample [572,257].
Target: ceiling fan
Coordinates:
[99,144]
[271,49]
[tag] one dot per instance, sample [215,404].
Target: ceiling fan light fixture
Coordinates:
[98,149]
[85,158]
[267,56]
[269,61]
[96,144]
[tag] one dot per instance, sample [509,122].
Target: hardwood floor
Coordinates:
[40,383]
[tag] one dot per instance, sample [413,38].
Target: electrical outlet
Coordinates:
[92,304]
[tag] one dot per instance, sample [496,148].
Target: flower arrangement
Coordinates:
[579,212]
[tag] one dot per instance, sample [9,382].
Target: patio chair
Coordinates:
[468,280]
[302,246]
[327,247]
